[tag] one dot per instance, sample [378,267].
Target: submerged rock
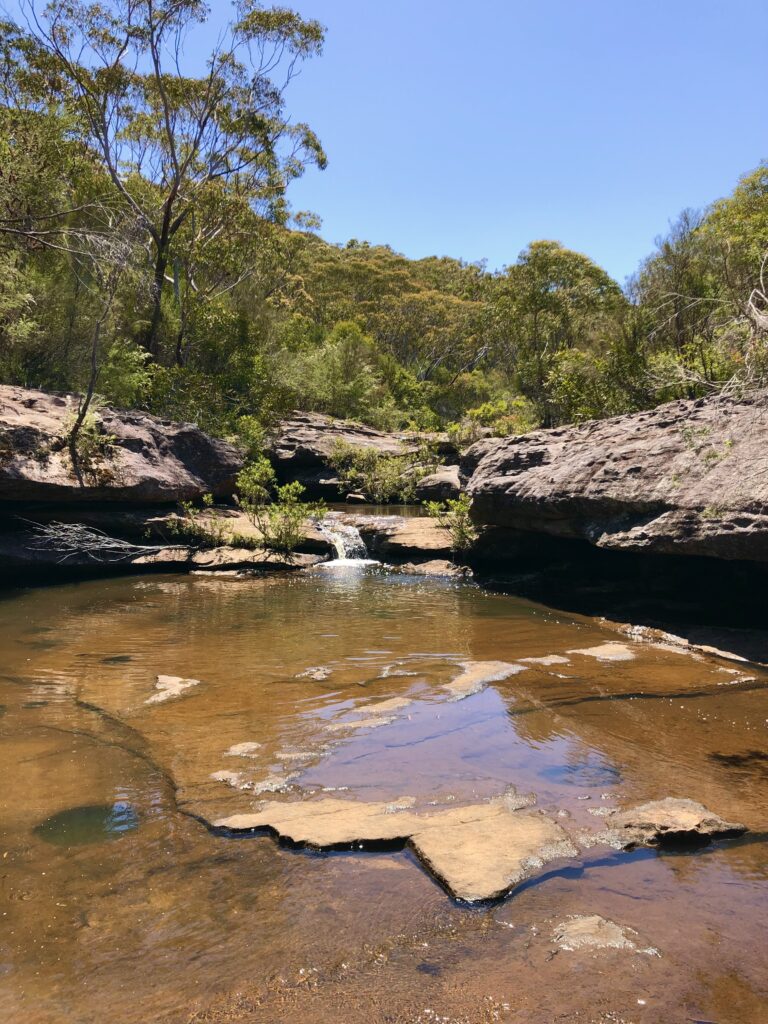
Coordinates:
[670,822]
[169,687]
[606,652]
[479,852]
[477,675]
[592,932]
[436,567]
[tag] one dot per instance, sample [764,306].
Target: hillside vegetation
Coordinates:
[148,255]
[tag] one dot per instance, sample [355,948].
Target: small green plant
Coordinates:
[203,524]
[90,447]
[381,476]
[278,513]
[712,512]
[455,516]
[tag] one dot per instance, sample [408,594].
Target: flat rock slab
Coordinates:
[477,675]
[670,822]
[606,652]
[592,932]
[169,687]
[479,852]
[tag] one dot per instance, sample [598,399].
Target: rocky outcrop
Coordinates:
[440,486]
[688,478]
[142,460]
[302,446]
[400,538]
[26,550]
[671,822]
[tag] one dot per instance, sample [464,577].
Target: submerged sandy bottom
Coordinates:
[135,714]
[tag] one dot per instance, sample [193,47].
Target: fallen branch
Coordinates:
[71,540]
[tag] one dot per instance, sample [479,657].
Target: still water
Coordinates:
[120,905]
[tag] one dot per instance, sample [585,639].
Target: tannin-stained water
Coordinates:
[120,904]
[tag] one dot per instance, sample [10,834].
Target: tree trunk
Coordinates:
[152,336]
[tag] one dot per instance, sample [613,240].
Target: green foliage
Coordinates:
[278,513]
[455,515]
[381,476]
[90,447]
[152,205]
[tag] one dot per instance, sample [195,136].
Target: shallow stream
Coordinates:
[120,904]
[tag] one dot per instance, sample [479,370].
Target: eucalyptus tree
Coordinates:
[551,301]
[171,141]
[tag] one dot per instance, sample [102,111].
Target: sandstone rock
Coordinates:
[168,687]
[670,822]
[303,443]
[689,478]
[223,558]
[436,567]
[401,538]
[592,932]
[440,486]
[151,460]
[479,852]
[477,674]
[606,652]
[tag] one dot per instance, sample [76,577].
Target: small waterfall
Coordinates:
[347,543]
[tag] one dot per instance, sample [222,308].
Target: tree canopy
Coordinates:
[148,253]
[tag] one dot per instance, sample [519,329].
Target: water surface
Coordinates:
[119,904]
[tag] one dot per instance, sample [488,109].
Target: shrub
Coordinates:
[455,516]
[278,513]
[382,477]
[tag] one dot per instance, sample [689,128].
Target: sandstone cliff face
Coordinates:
[687,478]
[149,460]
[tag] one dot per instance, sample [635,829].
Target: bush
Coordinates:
[455,516]
[278,513]
[379,476]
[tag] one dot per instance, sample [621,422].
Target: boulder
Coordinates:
[687,478]
[591,932]
[402,538]
[144,460]
[436,567]
[440,486]
[670,822]
[301,448]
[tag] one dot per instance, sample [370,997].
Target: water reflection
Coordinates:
[288,670]
[78,826]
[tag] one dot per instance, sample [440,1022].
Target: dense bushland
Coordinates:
[148,255]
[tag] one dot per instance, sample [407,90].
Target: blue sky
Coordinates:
[469,129]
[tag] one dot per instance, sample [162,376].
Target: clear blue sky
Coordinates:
[469,129]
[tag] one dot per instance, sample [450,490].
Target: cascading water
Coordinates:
[347,543]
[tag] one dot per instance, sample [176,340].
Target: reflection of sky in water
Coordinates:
[223,910]
[95,823]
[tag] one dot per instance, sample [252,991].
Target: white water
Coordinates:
[347,543]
